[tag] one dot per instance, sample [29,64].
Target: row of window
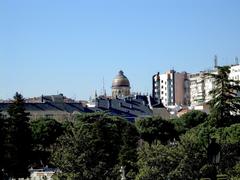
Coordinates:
[235,77]
[235,70]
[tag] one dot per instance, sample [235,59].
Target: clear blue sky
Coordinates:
[68,46]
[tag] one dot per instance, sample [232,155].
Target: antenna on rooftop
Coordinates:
[104,90]
[236,60]
[215,61]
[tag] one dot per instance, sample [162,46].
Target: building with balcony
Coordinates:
[201,84]
[171,88]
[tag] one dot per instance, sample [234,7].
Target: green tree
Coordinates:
[225,102]
[95,146]
[229,138]
[182,161]
[189,120]
[194,157]
[45,132]
[17,139]
[2,142]
[157,161]
[235,172]
[155,128]
[229,135]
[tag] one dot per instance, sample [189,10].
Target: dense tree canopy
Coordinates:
[155,128]
[95,146]
[45,132]
[182,161]
[157,161]
[189,120]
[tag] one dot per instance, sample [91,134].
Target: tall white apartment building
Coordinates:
[171,88]
[201,84]
[235,72]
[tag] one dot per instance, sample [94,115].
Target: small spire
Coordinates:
[95,94]
[105,93]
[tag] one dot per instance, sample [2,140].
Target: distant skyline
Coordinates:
[58,46]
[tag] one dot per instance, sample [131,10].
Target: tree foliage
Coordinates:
[230,135]
[194,157]
[235,172]
[95,146]
[2,141]
[17,139]
[45,132]
[157,161]
[229,138]
[155,128]
[225,102]
[189,120]
[182,161]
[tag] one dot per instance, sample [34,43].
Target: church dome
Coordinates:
[120,81]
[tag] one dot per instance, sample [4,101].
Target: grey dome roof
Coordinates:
[120,80]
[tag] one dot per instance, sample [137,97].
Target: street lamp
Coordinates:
[213,152]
